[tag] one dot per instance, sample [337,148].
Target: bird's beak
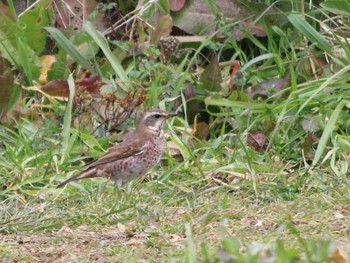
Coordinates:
[173,115]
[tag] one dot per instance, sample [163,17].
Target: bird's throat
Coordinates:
[145,131]
[154,130]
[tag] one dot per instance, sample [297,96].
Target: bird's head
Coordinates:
[153,119]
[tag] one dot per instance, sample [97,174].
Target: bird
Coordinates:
[138,152]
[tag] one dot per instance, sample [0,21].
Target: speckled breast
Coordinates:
[139,164]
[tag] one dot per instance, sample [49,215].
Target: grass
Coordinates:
[218,199]
[147,222]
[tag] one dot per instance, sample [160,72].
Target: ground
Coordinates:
[148,223]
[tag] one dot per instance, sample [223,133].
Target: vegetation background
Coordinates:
[257,167]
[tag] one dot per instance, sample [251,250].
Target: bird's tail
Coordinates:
[87,174]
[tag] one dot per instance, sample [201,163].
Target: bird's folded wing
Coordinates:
[117,153]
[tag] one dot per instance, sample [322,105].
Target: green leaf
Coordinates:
[8,38]
[32,23]
[59,69]
[164,7]
[25,63]
[307,30]
[14,46]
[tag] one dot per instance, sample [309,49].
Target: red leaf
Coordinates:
[176,5]
[57,87]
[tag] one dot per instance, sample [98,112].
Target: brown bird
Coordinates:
[139,151]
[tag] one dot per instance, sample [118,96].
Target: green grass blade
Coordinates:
[337,7]
[258,59]
[69,48]
[190,249]
[307,30]
[103,44]
[237,105]
[328,130]
[12,8]
[25,63]
[324,85]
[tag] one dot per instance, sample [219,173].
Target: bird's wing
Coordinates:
[119,152]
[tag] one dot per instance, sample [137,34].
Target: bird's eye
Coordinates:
[157,116]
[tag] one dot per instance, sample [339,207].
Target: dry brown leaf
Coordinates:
[6,87]
[56,88]
[336,257]
[257,141]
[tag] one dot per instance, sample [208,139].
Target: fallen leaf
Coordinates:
[336,257]
[338,215]
[9,92]
[308,142]
[269,87]
[90,84]
[60,88]
[211,77]
[202,130]
[176,5]
[163,28]
[57,88]
[310,124]
[197,18]
[257,141]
